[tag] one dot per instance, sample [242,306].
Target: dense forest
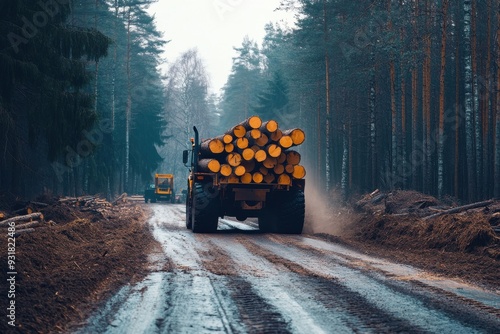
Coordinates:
[81,99]
[392,94]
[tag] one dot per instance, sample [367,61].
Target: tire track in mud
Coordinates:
[325,289]
[255,312]
[470,311]
[232,295]
[400,303]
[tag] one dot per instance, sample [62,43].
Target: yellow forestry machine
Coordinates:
[244,173]
[161,190]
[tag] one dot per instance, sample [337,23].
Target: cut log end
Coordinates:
[262,141]
[248,154]
[284,179]
[270,162]
[209,165]
[255,134]
[293,157]
[226,170]
[233,159]
[274,150]
[286,141]
[257,177]
[269,178]
[227,138]
[298,136]
[213,146]
[279,169]
[254,122]
[246,178]
[239,131]
[242,143]
[269,126]
[239,171]
[299,172]
[229,148]
[260,155]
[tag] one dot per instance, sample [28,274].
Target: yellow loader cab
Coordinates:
[163,189]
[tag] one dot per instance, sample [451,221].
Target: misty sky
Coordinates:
[214,27]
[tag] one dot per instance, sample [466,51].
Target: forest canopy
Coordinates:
[81,99]
[392,94]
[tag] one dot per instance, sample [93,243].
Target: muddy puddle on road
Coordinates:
[242,281]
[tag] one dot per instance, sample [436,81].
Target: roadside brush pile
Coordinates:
[69,253]
[413,220]
[254,152]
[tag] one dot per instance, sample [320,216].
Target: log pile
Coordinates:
[24,223]
[254,152]
[37,216]
[93,204]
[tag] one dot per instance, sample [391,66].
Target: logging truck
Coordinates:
[161,190]
[246,173]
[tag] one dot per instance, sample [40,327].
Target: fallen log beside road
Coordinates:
[460,209]
[24,218]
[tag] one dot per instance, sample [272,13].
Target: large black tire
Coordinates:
[205,209]
[189,212]
[284,212]
[268,218]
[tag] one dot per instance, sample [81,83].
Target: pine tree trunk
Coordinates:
[327,98]
[469,104]
[402,142]
[394,139]
[373,125]
[114,174]
[458,110]
[394,136]
[425,117]
[442,100]
[414,104]
[345,161]
[476,110]
[497,111]
[487,110]
[128,110]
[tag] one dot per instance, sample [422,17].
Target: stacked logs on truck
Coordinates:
[254,152]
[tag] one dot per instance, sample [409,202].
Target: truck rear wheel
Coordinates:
[205,209]
[189,213]
[268,217]
[293,212]
[284,213]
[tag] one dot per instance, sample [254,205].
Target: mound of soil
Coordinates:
[462,244]
[469,233]
[65,269]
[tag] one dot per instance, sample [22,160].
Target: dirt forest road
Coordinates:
[241,281]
